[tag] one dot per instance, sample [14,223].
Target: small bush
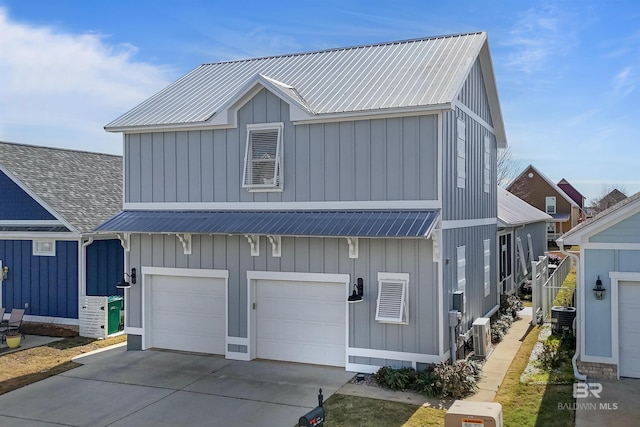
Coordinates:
[395,379]
[557,350]
[426,383]
[457,380]
[554,259]
[500,326]
[510,305]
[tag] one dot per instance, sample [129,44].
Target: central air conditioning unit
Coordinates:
[482,337]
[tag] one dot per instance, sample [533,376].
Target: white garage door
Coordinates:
[301,322]
[187,313]
[629,333]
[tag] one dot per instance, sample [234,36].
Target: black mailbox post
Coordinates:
[314,417]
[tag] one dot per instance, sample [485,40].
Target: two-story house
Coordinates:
[539,191]
[319,207]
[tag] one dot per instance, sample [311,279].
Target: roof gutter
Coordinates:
[574,360]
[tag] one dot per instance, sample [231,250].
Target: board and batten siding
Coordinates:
[477,305]
[49,284]
[470,202]
[474,95]
[381,159]
[311,255]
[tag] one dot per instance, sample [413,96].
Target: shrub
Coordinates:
[395,379]
[510,305]
[500,326]
[426,383]
[457,380]
[557,350]
[554,259]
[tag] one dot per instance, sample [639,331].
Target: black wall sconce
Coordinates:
[5,272]
[599,290]
[358,291]
[123,284]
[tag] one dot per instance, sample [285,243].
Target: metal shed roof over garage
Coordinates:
[378,223]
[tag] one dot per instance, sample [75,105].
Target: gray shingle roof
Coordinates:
[406,74]
[84,188]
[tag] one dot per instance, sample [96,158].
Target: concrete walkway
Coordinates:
[28,341]
[496,366]
[493,372]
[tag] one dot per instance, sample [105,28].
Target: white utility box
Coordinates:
[473,414]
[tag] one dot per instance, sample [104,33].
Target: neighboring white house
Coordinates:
[608,334]
[260,193]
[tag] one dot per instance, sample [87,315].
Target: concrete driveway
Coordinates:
[160,388]
[615,405]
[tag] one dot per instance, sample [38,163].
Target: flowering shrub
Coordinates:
[459,379]
[499,327]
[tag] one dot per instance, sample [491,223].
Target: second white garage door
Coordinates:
[301,321]
[187,313]
[629,335]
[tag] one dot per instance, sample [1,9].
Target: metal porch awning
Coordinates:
[353,223]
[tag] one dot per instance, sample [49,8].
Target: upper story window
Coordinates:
[550,204]
[44,248]
[461,153]
[263,157]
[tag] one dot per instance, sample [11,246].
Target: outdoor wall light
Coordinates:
[5,273]
[123,284]
[599,290]
[358,291]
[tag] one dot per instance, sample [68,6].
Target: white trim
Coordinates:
[462,223]
[254,275]
[438,232]
[547,205]
[147,271]
[20,235]
[276,246]
[486,246]
[49,319]
[493,311]
[236,355]
[37,251]
[352,242]
[614,246]
[414,358]
[185,239]
[580,235]
[130,330]
[486,163]
[30,223]
[332,205]
[278,171]
[473,115]
[254,243]
[237,341]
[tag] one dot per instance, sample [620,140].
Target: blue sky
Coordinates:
[568,72]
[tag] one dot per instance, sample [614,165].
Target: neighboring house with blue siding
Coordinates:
[259,194]
[608,338]
[51,200]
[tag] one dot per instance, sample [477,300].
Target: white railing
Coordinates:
[546,284]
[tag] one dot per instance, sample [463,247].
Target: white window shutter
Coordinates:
[461,149]
[263,157]
[461,266]
[392,305]
[487,164]
[487,267]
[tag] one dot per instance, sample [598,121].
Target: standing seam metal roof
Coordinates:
[411,73]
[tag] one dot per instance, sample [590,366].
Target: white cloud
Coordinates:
[60,89]
[624,82]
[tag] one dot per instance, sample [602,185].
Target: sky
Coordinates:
[568,72]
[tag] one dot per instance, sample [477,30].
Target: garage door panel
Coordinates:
[629,333]
[301,321]
[188,313]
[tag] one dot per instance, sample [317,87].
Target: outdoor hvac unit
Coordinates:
[482,337]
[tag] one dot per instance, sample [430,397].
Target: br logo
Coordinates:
[582,390]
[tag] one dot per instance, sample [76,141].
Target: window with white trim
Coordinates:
[461,150]
[487,266]
[44,248]
[550,204]
[393,298]
[263,157]
[487,164]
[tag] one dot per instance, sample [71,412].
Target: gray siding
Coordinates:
[470,202]
[474,95]
[477,305]
[384,159]
[316,255]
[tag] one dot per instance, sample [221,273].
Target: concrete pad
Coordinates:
[19,422]
[617,405]
[193,409]
[148,368]
[29,341]
[72,401]
[394,396]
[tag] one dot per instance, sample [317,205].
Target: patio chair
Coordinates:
[13,324]
[2,322]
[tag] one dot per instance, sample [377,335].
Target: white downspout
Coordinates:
[574,360]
